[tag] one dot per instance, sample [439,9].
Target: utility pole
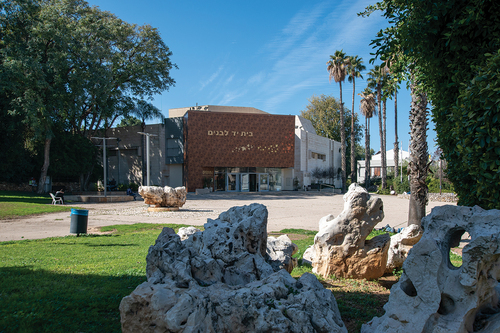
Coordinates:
[104,161]
[147,156]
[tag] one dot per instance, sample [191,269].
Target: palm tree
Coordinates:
[145,111]
[419,156]
[337,68]
[377,80]
[396,143]
[355,68]
[368,109]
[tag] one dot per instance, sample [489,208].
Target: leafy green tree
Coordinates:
[129,121]
[324,113]
[65,64]
[452,48]
[337,69]
[355,67]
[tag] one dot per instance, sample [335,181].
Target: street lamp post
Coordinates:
[104,160]
[148,167]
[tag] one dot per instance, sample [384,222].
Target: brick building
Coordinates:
[225,149]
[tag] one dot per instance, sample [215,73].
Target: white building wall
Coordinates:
[308,147]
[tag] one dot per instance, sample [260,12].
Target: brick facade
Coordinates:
[216,139]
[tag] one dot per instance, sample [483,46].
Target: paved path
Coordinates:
[286,210]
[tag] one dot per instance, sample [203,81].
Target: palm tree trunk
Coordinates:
[384,146]
[418,156]
[353,157]
[342,141]
[45,166]
[396,143]
[367,154]
[380,128]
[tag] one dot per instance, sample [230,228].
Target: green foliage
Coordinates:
[451,48]
[67,66]
[129,121]
[324,113]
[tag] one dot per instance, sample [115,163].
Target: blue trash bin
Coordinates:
[79,221]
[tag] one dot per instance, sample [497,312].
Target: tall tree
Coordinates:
[419,156]
[452,47]
[324,113]
[337,69]
[73,66]
[355,67]
[377,81]
[368,109]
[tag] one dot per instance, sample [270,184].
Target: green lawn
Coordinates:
[15,204]
[75,284]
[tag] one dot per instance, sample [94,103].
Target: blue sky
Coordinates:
[270,55]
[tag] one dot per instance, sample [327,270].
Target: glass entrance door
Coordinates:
[245,186]
[263,182]
[233,182]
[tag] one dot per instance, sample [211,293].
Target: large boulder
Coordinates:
[340,246]
[219,281]
[432,295]
[163,196]
[400,246]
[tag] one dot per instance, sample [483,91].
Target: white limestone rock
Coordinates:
[218,281]
[340,246]
[185,232]
[434,296]
[401,244]
[279,253]
[163,196]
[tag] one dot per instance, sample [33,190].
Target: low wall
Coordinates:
[445,197]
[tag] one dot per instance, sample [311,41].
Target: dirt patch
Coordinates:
[97,231]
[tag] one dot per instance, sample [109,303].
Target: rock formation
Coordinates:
[185,232]
[401,244]
[340,246]
[219,281]
[279,253]
[432,295]
[163,196]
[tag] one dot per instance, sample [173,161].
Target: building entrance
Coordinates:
[247,182]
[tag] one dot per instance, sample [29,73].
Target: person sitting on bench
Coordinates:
[129,192]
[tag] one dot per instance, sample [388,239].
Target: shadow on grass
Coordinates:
[357,307]
[36,300]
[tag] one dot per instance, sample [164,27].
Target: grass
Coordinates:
[75,284]
[15,204]
[72,284]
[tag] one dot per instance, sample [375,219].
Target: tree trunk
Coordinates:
[367,153]
[384,146]
[418,157]
[45,166]
[353,157]
[396,143]
[380,128]
[342,141]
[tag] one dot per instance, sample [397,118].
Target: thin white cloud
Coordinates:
[211,78]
